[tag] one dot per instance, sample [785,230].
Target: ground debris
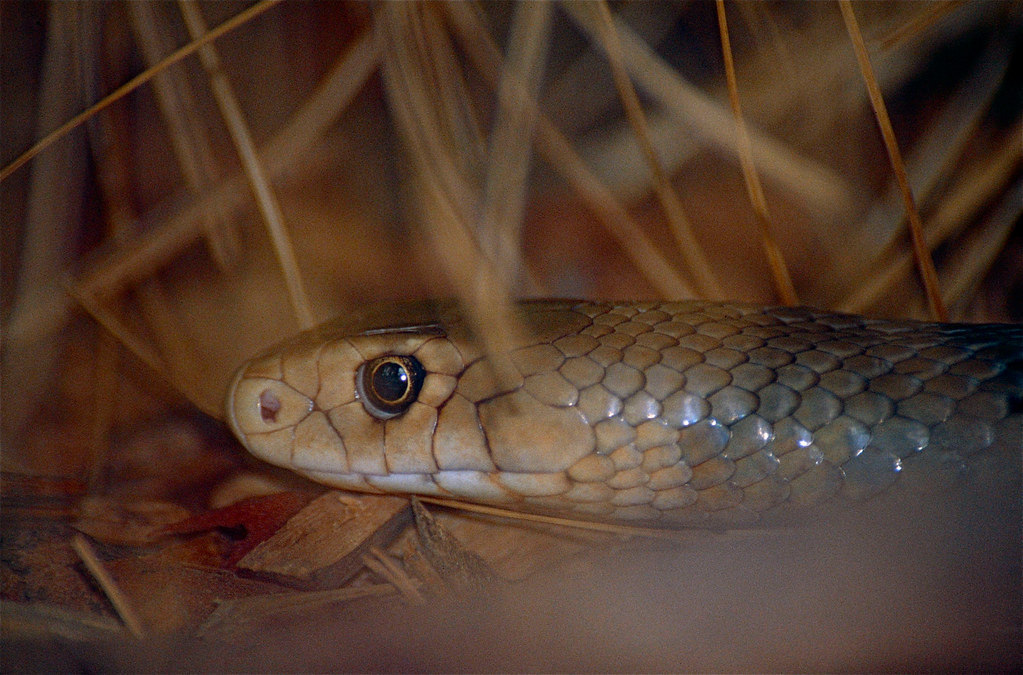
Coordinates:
[322,545]
[460,568]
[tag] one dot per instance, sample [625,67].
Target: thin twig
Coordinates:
[106,582]
[649,532]
[775,260]
[134,83]
[382,565]
[557,150]
[924,262]
[266,199]
[692,252]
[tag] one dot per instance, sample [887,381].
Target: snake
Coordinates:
[667,414]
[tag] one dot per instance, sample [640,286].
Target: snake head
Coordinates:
[346,408]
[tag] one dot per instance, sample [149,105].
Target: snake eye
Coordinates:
[388,385]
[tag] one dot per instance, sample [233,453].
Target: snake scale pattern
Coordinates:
[671,414]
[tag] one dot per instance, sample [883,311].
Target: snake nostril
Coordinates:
[269,405]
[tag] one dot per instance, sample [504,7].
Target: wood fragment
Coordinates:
[322,546]
[176,588]
[122,523]
[244,616]
[460,568]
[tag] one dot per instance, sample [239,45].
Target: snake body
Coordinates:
[672,414]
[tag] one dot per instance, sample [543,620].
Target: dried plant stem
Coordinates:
[105,384]
[941,155]
[818,187]
[170,228]
[266,199]
[136,346]
[53,207]
[970,194]
[164,232]
[692,252]
[382,565]
[924,262]
[560,154]
[117,598]
[775,260]
[926,17]
[649,532]
[439,138]
[189,138]
[508,161]
[135,82]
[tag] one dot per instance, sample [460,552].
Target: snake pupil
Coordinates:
[390,381]
[389,384]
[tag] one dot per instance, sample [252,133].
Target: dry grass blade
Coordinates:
[440,136]
[110,588]
[134,344]
[573,96]
[775,260]
[971,193]
[624,530]
[266,200]
[166,231]
[50,216]
[105,387]
[115,184]
[692,252]
[382,565]
[505,186]
[925,18]
[558,151]
[975,256]
[134,83]
[188,135]
[818,187]
[758,20]
[934,160]
[925,264]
